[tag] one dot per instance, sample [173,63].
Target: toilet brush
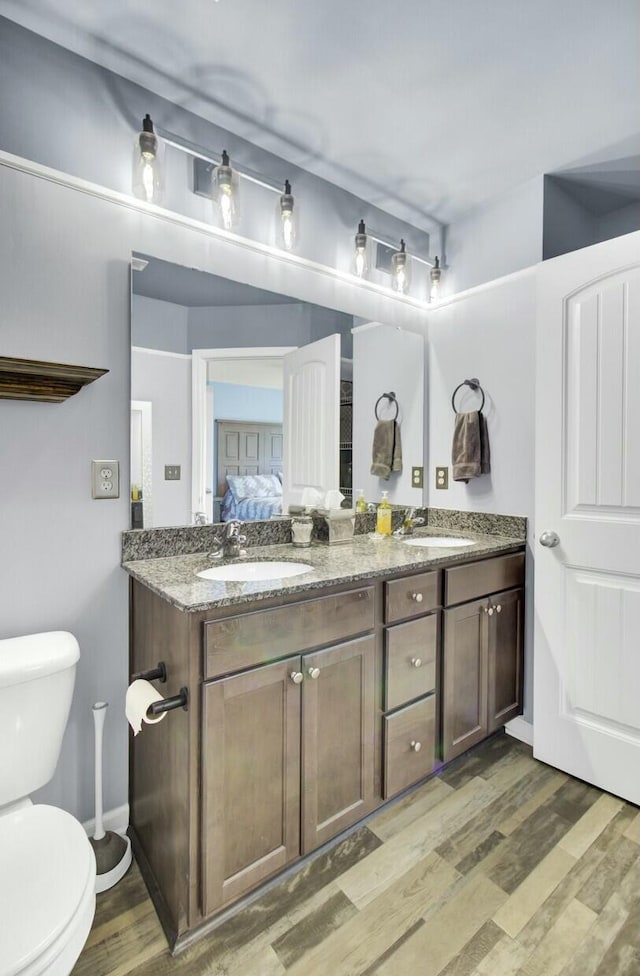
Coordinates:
[113,852]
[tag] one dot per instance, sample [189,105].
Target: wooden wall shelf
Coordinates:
[30,379]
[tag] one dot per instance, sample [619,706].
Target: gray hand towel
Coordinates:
[387,449]
[470,451]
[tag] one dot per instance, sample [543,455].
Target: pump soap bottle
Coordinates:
[361,505]
[383,519]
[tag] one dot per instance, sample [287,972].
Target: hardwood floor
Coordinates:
[498,866]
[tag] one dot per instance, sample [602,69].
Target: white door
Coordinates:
[587,576]
[311,426]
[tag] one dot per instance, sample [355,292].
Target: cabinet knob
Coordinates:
[313,673]
[417,597]
[498,609]
[417,662]
[296,677]
[416,746]
[490,611]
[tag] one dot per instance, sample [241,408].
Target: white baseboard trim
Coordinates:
[519,728]
[116,819]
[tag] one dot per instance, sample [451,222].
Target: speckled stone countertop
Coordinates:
[366,557]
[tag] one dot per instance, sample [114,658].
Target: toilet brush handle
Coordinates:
[99,716]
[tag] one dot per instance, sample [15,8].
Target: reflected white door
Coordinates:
[311,427]
[587,576]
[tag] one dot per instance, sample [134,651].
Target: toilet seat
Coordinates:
[47,891]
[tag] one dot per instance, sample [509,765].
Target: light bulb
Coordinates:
[435,274]
[360,262]
[224,193]
[288,220]
[400,270]
[147,168]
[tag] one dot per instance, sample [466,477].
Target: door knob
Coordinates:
[417,662]
[416,746]
[417,597]
[549,539]
[296,677]
[313,673]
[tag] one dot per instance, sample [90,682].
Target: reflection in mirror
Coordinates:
[259,444]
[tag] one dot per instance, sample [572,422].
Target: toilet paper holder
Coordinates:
[158,673]
[181,700]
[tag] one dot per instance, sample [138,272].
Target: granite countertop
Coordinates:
[366,557]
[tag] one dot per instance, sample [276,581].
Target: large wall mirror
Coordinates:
[241,396]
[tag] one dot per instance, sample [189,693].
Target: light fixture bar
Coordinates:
[189,150]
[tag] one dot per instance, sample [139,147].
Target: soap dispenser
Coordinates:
[361,505]
[383,519]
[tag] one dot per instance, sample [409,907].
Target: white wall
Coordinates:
[164,379]
[387,359]
[489,334]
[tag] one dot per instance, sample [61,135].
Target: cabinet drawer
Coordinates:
[410,660]
[249,639]
[474,580]
[411,596]
[403,765]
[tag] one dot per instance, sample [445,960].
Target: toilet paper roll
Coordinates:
[140,694]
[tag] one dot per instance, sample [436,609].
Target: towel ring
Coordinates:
[473,384]
[391,397]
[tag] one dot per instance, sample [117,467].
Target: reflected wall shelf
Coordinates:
[30,379]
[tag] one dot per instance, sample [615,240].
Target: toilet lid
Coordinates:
[45,862]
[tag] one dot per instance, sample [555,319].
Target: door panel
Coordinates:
[338,754]
[505,658]
[586,673]
[465,677]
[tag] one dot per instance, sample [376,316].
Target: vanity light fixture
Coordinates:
[288,219]
[400,270]
[225,192]
[147,167]
[435,275]
[360,258]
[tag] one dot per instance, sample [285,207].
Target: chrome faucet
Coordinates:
[199,518]
[409,522]
[230,546]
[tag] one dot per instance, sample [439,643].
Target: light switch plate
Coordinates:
[442,477]
[417,477]
[105,479]
[172,472]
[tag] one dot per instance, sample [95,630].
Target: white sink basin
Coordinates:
[439,542]
[247,572]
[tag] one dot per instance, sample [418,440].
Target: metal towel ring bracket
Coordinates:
[474,384]
[391,397]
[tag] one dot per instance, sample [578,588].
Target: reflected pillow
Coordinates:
[244,486]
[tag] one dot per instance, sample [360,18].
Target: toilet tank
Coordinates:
[37,675]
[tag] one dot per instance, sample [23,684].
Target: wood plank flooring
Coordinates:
[498,866]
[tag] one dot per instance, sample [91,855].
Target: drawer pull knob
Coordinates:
[498,609]
[417,597]
[490,611]
[417,662]
[296,677]
[313,673]
[416,746]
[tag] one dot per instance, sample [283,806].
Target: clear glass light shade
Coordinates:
[287,220]
[360,264]
[401,271]
[434,281]
[225,194]
[147,175]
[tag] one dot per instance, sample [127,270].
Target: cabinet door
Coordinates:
[505,657]
[251,780]
[464,677]
[338,704]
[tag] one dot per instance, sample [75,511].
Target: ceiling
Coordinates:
[174,283]
[434,106]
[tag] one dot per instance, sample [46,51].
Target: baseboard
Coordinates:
[519,728]
[116,819]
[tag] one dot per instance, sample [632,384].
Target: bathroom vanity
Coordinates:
[311,702]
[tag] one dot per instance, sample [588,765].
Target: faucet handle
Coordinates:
[218,552]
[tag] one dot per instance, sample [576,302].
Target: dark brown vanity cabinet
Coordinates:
[288,758]
[482,652]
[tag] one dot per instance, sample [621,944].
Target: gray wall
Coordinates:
[570,224]
[159,325]
[64,111]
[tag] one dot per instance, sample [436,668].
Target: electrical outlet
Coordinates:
[442,477]
[105,479]
[172,472]
[417,477]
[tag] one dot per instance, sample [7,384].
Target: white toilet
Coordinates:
[47,865]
